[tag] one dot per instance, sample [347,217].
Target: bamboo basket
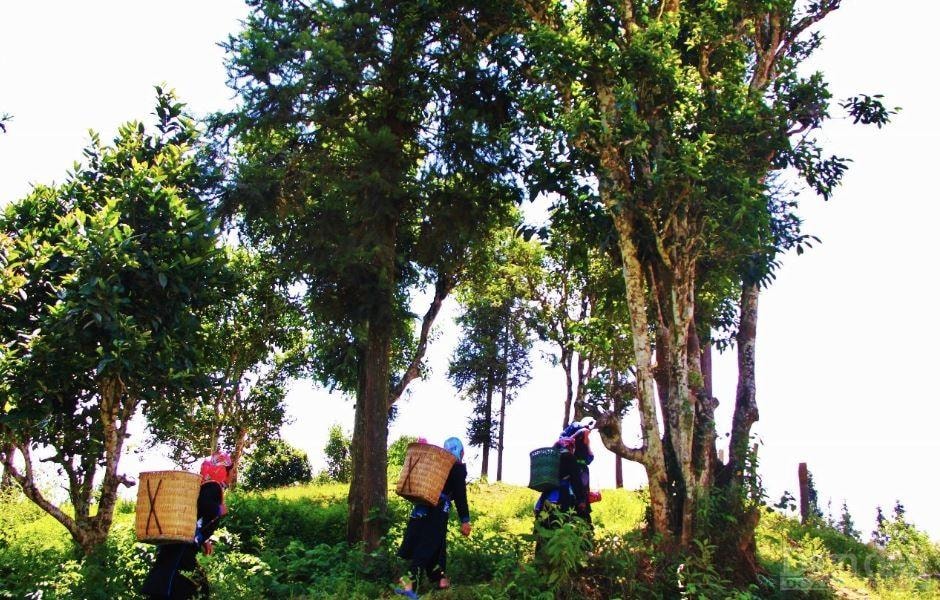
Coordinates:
[543,469]
[424,473]
[166,506]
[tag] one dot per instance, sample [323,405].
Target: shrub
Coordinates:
[338,458]
[484,556]
[234,575]
[289,543]
[276,464]
[396,456]
[269,522]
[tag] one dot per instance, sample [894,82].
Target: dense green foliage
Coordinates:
[253,341]
[290,542]
[336,453]
[377,151]
[101,282]
[371,156]
[275,463]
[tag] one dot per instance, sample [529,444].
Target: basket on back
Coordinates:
[424,473]
[166,506]
[543,469]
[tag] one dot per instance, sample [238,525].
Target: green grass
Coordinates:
[289,543]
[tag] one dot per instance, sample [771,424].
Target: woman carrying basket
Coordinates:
[573,494]
[165,580]
[424,544]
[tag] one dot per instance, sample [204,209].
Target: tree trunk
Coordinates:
[87,531]
[488,419]
[502,402]
[27,482]
[238,452]
[502,429]
[682,401]
[704,451]
[368,492]
[707,376]
[650,454]
[745,403]
[585,370]
[737,546]
[618,472]
[803,475]
[216,432]
[6,482]
[569,385]
[213,441]
[442,288]
[116,412]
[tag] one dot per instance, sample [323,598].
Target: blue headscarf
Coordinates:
[454,446]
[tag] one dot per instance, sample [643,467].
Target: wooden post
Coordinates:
[803,474]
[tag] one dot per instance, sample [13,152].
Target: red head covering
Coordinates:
[214,468]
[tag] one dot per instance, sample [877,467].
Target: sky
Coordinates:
[847,333]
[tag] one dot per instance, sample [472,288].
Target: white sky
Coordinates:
[847,334]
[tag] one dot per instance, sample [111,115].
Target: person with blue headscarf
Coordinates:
[572,496]
[424,544]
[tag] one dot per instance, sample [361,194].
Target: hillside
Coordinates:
[288,543]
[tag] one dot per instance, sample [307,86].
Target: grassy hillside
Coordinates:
[288,543]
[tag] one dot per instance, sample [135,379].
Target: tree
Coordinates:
[372,155]
[336,451]
[253,343]
[879,535]
[579,302]
[846,525]
[4,119]
[275,463]
[103,277]
[679,113]
[492,356]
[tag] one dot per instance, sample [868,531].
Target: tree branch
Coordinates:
[825,7]
[442,289]
[27,483]
[608,424]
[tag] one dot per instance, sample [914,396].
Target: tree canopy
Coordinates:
[371,155]
[103,279]
[253,343]
[673,117]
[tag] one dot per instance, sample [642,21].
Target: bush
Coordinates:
[290,543]
[396,456]
[338,457]
[264,522]
[276,464]
[38,559]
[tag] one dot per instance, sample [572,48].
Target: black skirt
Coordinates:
[165,581]
[425,541]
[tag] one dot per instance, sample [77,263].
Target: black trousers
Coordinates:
[424,545]
[165,581]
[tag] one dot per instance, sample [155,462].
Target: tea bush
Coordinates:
[289,543]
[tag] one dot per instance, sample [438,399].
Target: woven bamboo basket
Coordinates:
[166,506]
[424,473]
[543,469]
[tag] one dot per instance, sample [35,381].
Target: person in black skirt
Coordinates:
[424,544]
[167,579]
[572,497]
